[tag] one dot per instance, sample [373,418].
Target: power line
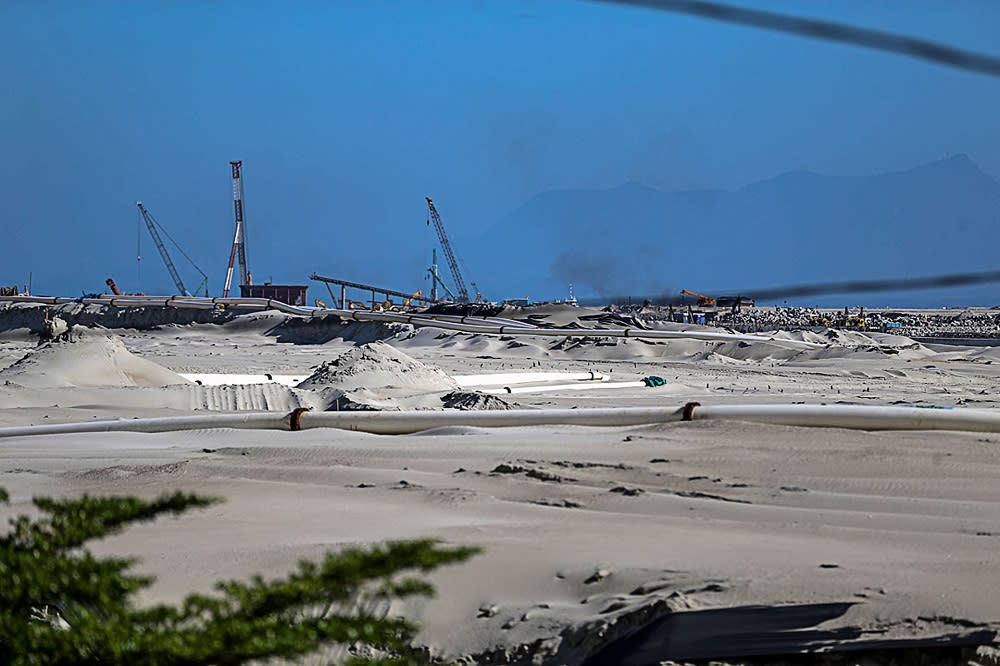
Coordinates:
[876,286]
[912,47]
[772,294]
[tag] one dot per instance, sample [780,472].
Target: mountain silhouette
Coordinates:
[796,227]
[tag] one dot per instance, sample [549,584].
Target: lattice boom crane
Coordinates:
[151,225]
[239,251]
[463,292]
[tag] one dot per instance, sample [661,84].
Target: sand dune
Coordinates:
[85,358]
[626,544]
[376,366]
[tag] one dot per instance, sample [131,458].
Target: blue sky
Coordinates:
[347,114]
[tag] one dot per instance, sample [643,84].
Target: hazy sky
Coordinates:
[347,114]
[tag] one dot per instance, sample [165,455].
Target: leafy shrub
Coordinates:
[59,604]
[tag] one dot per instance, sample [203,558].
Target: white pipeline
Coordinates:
[575,386]
[509,378]
[401,423]
[227,379]
[464,381]
[242,421]
[861,417]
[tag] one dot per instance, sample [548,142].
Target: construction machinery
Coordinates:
[153,226]
[456,273]
[118,292]
[436,280]
[851,320]
[417,296]
[239,239]
[703,300]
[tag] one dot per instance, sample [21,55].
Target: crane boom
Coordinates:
[463,293]
[151,225]
[703,300]
[229,270]
[241,224]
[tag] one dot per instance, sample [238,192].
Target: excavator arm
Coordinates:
[703,300]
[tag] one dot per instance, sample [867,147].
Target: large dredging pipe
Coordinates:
[512,378]
[464,324]
[857,417]
[244,421]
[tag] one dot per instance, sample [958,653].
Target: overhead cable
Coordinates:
[913,47]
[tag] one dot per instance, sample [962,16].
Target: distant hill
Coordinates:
[796,227]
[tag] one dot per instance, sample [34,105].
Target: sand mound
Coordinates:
[474,400]
[86,358]
[379,367]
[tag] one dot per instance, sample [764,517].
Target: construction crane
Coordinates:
[240,239]
[153,225]
[703,300]
[456,274]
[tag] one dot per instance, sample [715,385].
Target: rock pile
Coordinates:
[957,324]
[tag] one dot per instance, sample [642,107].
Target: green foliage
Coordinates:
[61,605]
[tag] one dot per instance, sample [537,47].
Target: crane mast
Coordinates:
[463,292]
[239,251]
[151,225]
[436,278]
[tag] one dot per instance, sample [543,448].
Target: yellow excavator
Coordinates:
[703,300]
[851,320]
[415,296]
[386,306]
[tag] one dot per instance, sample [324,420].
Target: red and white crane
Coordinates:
[239,250]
